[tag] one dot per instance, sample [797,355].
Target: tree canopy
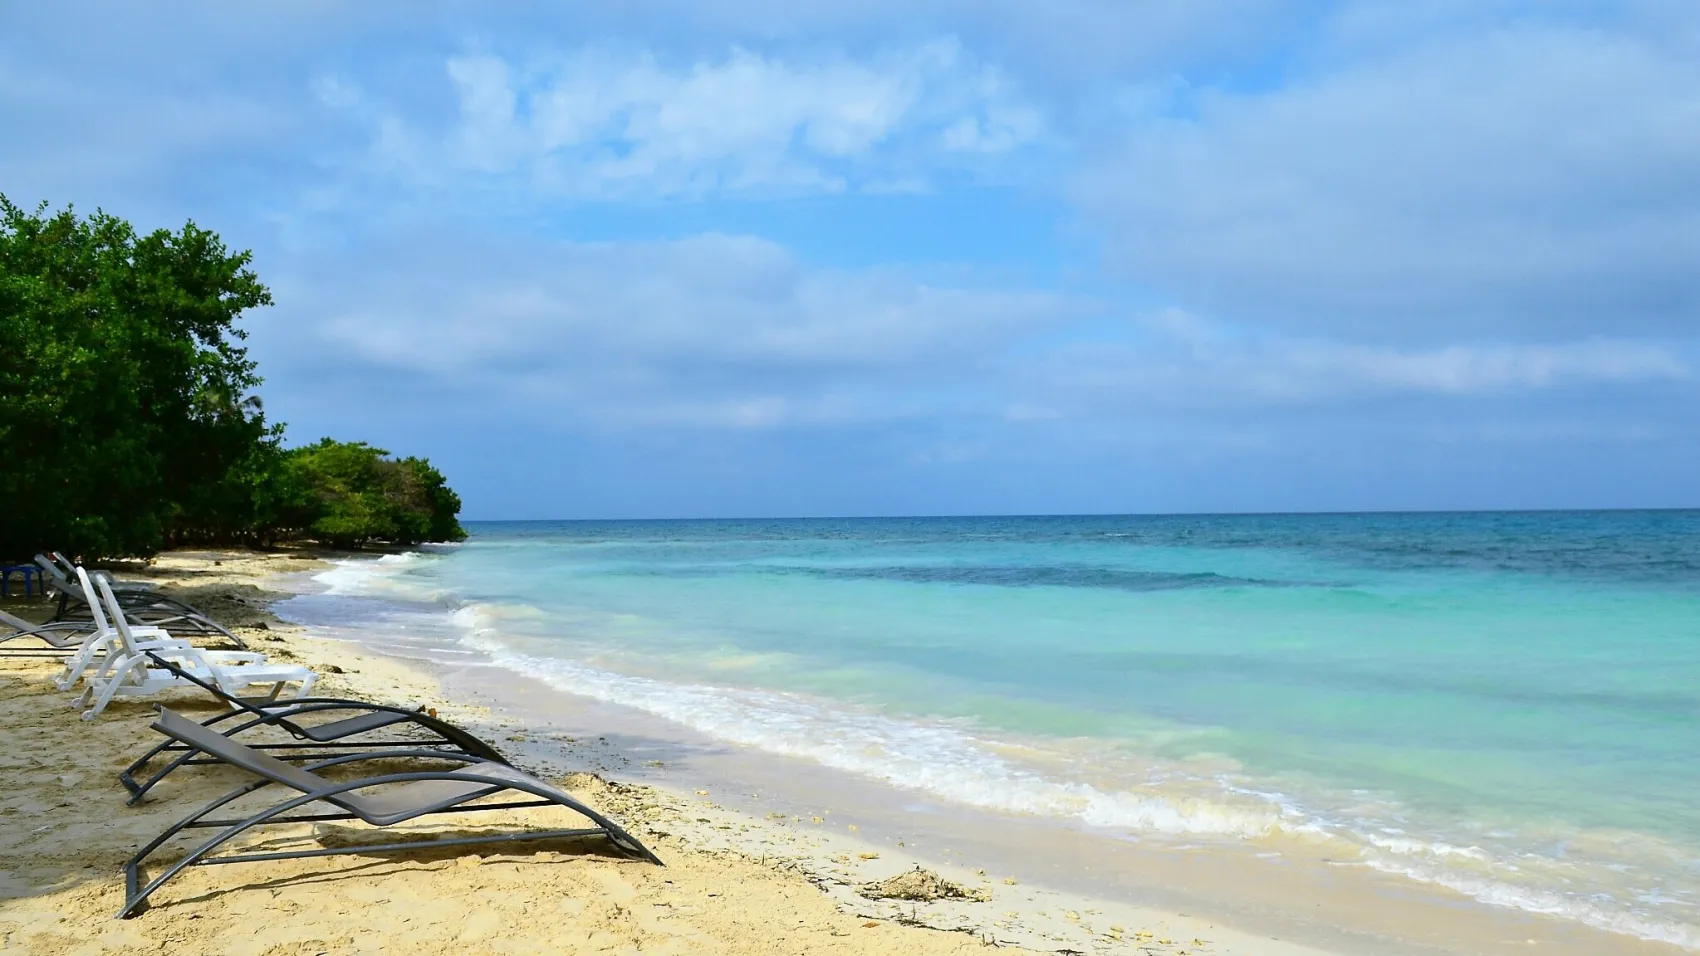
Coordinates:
[349,493]
[127,415]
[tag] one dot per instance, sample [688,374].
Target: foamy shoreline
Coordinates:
[734,883]
[812,865]
[932,789]
[830,854]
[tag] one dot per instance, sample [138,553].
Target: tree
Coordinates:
[357,494]
[125,413]
[127,419]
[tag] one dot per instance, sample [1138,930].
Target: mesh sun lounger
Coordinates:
[59,636]
[405,796]
[313,741]
[143,608]
[61,574]
[70,568]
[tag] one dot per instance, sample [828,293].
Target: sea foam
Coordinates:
[951,760]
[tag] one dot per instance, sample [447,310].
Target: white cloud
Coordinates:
[1464,370]
[710,331]
[732,332]
[599,124]
[1182,362]
[1534,179]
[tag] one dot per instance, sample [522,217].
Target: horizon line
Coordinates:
[1107,514]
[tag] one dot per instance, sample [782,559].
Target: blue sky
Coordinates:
[693,259]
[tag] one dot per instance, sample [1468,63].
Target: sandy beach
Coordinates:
[1086,478]
[734,882]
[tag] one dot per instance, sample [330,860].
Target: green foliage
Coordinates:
[127,421]
[123,387]
[355,493]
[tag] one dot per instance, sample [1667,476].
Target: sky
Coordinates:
[673,258]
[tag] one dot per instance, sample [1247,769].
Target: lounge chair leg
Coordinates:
[112,686]
[134,899]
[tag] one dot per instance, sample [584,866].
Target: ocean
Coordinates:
[1503,704]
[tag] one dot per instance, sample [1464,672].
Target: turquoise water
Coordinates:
[1505,704]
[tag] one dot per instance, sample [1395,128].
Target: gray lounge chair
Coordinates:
[70,568]
[142,608]
[407,796]
[313,741]
[59,636]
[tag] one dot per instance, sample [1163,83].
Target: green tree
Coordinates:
[358,494]
[127,419]
[125,415]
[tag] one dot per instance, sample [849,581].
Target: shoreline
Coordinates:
[717,812]
[733,882]
[722,821]
[1327,905]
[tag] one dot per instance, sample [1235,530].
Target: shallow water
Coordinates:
[1504,704]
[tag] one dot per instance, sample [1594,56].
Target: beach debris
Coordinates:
[870,924]
[329,669]
[584,780]
[702,793]
[430,711]
[1009,881]
[869,856]
[1072,916]
[920,886]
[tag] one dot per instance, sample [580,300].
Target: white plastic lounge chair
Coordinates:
[312,741]
[104,645]
[125,672]
[401,797]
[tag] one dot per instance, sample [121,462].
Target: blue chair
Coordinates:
[32,579]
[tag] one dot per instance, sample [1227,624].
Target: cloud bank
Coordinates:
[602,124]
[726,258]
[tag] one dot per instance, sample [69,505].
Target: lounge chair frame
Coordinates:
[136,893]
[70,569]
[312,742]
[61,637]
